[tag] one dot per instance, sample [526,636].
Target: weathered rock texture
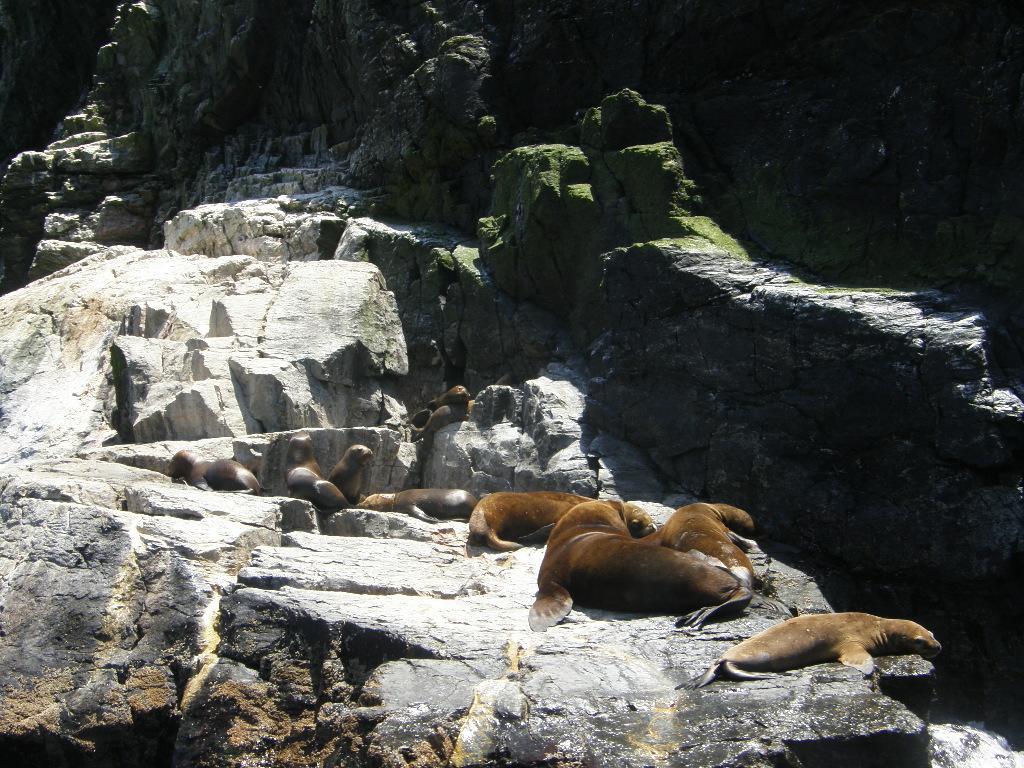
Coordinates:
[110,579]
[166,346]
[47,55]
[807,404]
[875,144]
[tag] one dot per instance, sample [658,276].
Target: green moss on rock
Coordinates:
[623,120]
[556,207]
[544,224]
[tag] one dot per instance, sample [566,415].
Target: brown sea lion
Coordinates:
[457,395]
[849,638]
[502,516]
[420,418]
[592,559]
[431,505]
[300,454]
[304,479]
[702,527]
[219,475]
[347,474]
[442,417]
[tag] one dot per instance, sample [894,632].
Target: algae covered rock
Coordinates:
[545,224]
[557,208]
[623,120]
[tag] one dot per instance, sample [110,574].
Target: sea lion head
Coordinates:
[360,453]
[637,520]
[300,448]
[377,501]
[910,637]
[181,463]
[457,395]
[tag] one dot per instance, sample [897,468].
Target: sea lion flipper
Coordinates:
[551,606]
[705,679]
[419,514]
[735,604]
[201,484]
[776,605]
[745,544]
[858,658]
[537,537]
[735,673]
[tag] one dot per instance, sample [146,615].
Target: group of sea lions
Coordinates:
[600,553]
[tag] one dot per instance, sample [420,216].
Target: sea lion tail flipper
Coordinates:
[537,537]
[549,608]
[777,605]
[743,543]
[858,658]
[419,514]
[733,672]
[697,619]
[500,544]
[705,679]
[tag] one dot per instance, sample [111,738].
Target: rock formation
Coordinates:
[751,254]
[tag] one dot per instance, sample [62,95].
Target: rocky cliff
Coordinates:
[763,254]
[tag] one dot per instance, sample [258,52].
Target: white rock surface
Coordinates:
[395,465]
[533,439]
[325,331]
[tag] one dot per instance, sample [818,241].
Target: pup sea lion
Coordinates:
[457,395]
[849,638]
[219,475]
[304,479]
[431,505]
[702,528]
[507,515]
[347,474]
[591,559]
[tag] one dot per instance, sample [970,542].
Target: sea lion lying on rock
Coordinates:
[702,528]
[442,417]
[219,475]
[347,474]
[453,406]
[591,559]
[531,516]
[849,638]
[431,505]
[304,477]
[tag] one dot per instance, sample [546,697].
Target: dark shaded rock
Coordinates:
[47,55]
[842,421]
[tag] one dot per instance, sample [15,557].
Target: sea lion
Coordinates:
[849,638]
[702,528]
[219,475]
[304,479]
[502,516]
[442,417]
[431,505]
[592,559]
[347,474]
[300,454]
[457,395]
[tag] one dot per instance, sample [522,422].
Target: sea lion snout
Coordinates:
[637,520]
[928,647]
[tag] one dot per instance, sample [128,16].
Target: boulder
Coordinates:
[168,346]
